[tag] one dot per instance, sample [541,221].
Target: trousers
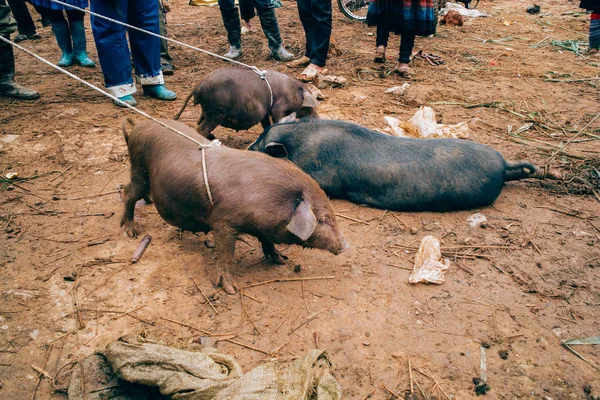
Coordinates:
[113,51]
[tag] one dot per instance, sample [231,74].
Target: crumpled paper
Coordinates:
[424,125]
[429,265]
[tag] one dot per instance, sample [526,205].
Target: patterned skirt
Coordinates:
[416,16]
[55,6]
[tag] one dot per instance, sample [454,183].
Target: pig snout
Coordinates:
[345,246]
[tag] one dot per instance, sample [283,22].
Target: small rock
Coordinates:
[298,269]
[10,138]
[413,231]
[366,343]
[12,175]
[503,354]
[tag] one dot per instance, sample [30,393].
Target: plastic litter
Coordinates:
[476,220]
[429,266]
[424,125]
[398,90]
[462,10]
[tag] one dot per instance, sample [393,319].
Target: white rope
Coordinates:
[262,74]
[200,145]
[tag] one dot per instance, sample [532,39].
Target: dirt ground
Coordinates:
[527,280]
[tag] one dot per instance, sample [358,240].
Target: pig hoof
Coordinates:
[277,258]
[227,284]
[129,229]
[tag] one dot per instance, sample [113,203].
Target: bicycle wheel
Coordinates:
[354,9]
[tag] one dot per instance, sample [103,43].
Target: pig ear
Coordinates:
[309,100]
[276,150]
[288,118]
[303,221]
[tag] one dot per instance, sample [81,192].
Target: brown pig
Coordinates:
[252,193]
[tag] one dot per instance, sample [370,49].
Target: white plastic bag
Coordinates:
[429,265]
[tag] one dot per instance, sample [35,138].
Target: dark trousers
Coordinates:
[229,5]
[21,13]
[383,34]
[247,9]
[111,40]
[407,42]
[59,15]
[165,57]
[315,16]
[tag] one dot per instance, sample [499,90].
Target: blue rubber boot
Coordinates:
[63,38]
[79,48]
[129,99]
[159,92]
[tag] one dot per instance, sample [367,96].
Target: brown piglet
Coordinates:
[252,193]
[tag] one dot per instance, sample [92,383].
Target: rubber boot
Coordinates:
[159,92]
[79,48]
[129,99]
[268,21]
[8,86]
[231,20]
[63,38]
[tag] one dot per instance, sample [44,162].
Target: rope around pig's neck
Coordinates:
[201,146]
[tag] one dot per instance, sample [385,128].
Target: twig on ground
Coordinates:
[352,219]
[205,297]
[312,278]
[312,316]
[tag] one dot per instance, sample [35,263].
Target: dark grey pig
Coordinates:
[238,98]
[354,163]
[253,193]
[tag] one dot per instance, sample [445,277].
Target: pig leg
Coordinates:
[271,252]
[205,127]
[266,122]
[225,239]
[138,188]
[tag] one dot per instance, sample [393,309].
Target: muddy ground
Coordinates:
[526,281]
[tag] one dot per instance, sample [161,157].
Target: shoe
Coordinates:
[30,36]
[159,92]
[403,71]
[234,52]
[8,86]
[231,20]
[63,38]
[301,62]
[310,73]
[129,99]
[45,21]
[79,45]
[380,55]
[281,54]
[167,68]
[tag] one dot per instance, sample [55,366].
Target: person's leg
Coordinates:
[24,21]
[247,11]
[407,42]
[381,41]
[231,20]
[62,33]
[308,23]
[78,35]
[44,14]
[166,61]
[321,12]
[145,49]
[8,86]
[113,53]
[594,33]
[270,26]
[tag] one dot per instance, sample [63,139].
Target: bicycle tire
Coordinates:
[350,13]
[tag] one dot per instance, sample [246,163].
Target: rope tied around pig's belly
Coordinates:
[263,76]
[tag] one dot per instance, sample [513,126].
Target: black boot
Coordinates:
[8,86]
[231,20]
[268,21]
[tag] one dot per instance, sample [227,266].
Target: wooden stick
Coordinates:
[93,197]
[310,317]
[570,140]
[253,298]
[571,214]
[279,348]
[205,297]
[313,278]
[207,333]
[390,391]
[483,304]
[140,249]
[246,346]
[352,219]
[410,376]
[246,311]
